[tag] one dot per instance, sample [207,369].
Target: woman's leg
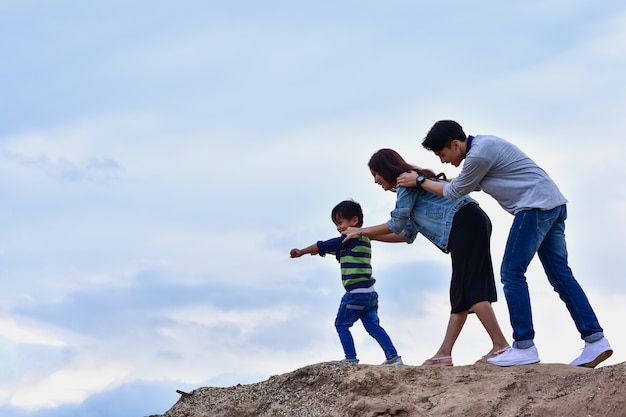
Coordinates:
[455,324]
[486,315]
[473,283]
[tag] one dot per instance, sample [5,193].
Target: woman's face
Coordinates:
[387,186]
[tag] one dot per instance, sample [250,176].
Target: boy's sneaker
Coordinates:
[513,357]
[396,360]
[352,361]
[593,354]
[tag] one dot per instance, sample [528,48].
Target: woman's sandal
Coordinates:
[440,361]
[491,355]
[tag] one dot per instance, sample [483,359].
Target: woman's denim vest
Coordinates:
[419,211]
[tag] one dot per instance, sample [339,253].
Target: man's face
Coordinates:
[452,154]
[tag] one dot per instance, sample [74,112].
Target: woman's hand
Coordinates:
[407,179]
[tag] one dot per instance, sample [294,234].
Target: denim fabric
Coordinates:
[418,211]
[542,232]
[363,306]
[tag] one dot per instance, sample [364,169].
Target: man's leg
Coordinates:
[553,256]
[524,239]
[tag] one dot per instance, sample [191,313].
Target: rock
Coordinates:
[344,390]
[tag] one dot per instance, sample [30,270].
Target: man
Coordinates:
[525,190]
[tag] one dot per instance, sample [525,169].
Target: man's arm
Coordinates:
[409,179]
[434,187]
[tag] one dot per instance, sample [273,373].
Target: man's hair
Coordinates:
[347,209]
[442,134]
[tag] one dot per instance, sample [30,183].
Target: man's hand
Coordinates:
[295,253]
[407,179]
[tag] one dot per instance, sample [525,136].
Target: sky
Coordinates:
[158,160]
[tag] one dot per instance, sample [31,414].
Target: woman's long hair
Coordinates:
[389,165]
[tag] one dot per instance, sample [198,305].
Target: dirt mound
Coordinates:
[343,390]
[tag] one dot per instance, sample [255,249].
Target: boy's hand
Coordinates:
[295,253]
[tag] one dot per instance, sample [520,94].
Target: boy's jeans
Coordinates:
[364,306]
[542,232]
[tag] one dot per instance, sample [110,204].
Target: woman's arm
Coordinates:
[390,237]
[379,232]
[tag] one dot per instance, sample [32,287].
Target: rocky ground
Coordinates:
[343,390]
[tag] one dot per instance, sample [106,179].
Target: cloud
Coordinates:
[67,386]
[139,398]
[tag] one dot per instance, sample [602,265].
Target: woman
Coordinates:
[458,227]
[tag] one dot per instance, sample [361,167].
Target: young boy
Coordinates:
[360,300]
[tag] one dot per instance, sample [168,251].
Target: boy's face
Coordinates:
[452,154]
[342,224]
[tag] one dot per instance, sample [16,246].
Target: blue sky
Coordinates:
[158,160]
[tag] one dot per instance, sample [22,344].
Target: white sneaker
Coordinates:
[593,354]
[513,357]
[396,360]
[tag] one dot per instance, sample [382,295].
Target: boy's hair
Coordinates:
[347,209]
[442,134]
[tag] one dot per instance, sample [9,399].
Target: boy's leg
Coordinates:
[371,322]
[346,316]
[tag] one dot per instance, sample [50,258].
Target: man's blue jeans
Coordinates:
[542,232]
[363,306]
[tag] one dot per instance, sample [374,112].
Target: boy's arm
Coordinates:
[321,247]
[311,249]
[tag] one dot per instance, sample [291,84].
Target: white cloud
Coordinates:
[243,321]
[67,386]
[26,331]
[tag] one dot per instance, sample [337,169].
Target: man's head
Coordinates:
[448,141]
[346,214]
